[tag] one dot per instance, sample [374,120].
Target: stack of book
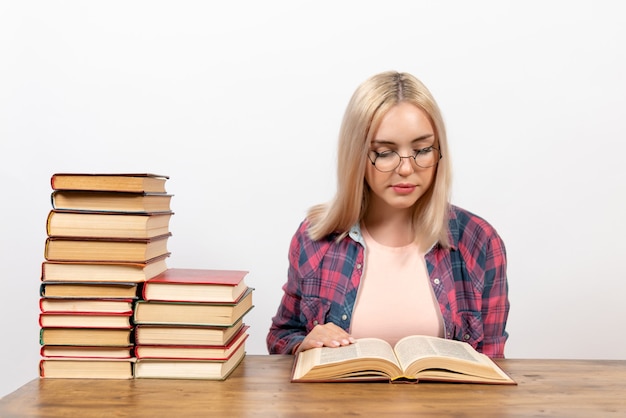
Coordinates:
[107,234]
[189,324]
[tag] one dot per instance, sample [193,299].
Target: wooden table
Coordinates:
[260,387]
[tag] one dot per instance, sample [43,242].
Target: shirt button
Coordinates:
[315,322]
[344,317]
[358,266]
[466,337]
[436,281]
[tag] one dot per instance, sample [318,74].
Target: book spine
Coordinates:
[41,368]
[49,222]
[46,249]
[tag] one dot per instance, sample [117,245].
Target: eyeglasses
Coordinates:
[387,161]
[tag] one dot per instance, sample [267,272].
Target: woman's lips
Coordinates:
[403,188]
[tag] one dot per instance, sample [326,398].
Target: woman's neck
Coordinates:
[392,229]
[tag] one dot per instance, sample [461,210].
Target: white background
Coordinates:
[240,103]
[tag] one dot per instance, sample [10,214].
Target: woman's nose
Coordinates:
[406,165]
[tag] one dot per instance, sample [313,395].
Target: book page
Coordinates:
[364,347]
[456,349]
[414,347]
[351,360]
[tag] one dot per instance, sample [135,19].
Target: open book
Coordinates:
[414,358]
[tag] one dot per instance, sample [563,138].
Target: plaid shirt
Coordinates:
[469,281]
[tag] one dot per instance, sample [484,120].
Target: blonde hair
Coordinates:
[369,103]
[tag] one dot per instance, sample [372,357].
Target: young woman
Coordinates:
[389,256]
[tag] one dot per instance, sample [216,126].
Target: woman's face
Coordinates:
[405,129]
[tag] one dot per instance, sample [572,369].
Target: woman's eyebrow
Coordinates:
[423,138]
[390,142]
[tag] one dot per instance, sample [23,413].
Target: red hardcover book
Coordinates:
[196,285]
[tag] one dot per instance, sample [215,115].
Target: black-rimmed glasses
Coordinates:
[390,160]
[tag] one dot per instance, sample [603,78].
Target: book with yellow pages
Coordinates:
[127,250]
[92,272]
[65,223]
[414,358]
[117,182]
[89,290]
[86,336]
[152,368]
[111,201]
[86,368]
[86,351]
[196,285]
[150,334]
[193,352]
[196,313]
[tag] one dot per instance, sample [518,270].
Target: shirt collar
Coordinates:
[356,234]
[453,232]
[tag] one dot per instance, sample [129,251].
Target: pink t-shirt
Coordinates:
[395,298]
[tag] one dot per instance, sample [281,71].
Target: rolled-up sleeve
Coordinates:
[287,330]
[495,300]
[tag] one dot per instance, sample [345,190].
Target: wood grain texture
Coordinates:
[260,386]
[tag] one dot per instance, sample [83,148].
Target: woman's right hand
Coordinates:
[327,335]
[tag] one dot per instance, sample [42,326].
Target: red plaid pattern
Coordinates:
[469,280]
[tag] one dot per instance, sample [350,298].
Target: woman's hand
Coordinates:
[327,335]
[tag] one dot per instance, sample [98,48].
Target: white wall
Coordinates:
[240,103]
